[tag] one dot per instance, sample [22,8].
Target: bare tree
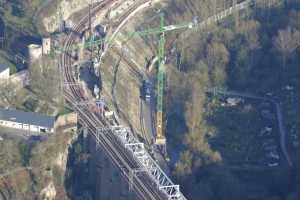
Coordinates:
[44,79]
[250,30]
[217,55]
[217,59]
[9,94]
[184,166]
[286,43]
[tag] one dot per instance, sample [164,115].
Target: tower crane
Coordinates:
[161,74]
[160,126]
[161,31]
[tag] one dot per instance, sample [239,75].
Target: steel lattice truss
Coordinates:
[125,136]
[147,164]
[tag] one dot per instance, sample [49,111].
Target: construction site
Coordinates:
[137,76]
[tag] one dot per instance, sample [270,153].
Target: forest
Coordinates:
[255,51]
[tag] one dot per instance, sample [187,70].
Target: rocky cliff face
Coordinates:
[105,180]
[43,176]
[63,10]
[52,186]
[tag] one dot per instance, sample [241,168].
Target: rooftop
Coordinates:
[27,118]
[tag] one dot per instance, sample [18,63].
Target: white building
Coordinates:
[27,121]
[4,72]
[35,52]
[233,101]
[46,46]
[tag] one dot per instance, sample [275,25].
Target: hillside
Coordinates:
[34,169]
[225,87]
[217,151]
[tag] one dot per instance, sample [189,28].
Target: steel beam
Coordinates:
[147,163]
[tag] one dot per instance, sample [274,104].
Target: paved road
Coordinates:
[279,115]
[282,132]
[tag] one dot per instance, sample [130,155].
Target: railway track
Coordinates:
[142,183]
[147,185]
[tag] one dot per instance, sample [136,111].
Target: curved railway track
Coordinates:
[142,183]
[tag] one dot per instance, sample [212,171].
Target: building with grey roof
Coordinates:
[28,121]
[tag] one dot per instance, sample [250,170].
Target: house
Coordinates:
[4,72]
[27,121]
[233,101]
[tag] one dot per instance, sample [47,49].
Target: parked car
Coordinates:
[272,162]
[147,90]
